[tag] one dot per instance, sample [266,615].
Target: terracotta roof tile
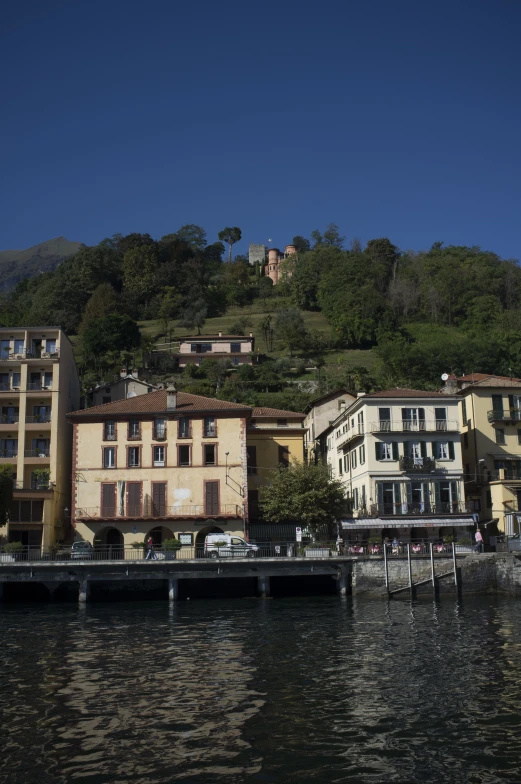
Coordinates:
[203,338]
[403,392]
[498,382]
[476,377]
[155,402]
[264,411]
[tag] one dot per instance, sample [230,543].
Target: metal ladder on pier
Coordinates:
[433,579]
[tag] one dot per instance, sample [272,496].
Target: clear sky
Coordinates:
[397,118]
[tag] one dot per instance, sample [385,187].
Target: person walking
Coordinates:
[151,553]
[479,541]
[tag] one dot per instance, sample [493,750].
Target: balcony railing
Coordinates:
[159,435]
[148,510]
[210,432]
[406,426]
[354,432]
[109,437]
[34,354]
[510,415]
[9,419]
[8,453]
[34,484]
[418,508]
[40,419]
[38,452]
[510,474]
[420,464]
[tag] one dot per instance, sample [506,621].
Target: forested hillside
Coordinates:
[414,314]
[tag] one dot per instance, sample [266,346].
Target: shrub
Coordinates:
[171,544]
[13,547]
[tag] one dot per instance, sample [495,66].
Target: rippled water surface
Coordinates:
[321,690]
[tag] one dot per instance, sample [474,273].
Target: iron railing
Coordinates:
[420,426]
[419,508]
[44,452]
[417,464]
[9,419]
[508,415]
[8,452]
[148,510]
[39,419]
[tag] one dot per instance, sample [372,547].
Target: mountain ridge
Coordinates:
[17,265]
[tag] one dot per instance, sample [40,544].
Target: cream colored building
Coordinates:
[398,455]
[236,348]
[490,411]
[170,464]
[38,387]
[127,385]
[320,413]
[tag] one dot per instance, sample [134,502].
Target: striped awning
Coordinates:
[407,522]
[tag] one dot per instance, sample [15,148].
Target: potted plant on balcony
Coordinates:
[11,551]
[170,547]
[42,477]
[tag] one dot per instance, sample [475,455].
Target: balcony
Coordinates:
[9,419]
[109,437]
[420,464]
[38,453]
[416,509]
[148,511]
[35,354]
[354,432]
[210,432]
[511,474]
[40,419]
[8,454]
[421,426]
[510,415]
[159,435]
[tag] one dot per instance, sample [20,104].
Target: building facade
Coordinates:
[237,348]
[320,413]
[127,385]
[168,464]
[398,455]
[275,265]
[490,411]
[38,386]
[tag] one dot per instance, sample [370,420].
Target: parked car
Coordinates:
[228,546]
[81,551]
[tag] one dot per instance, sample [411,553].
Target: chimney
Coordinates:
[220,334]
[122,372]
[360,394]
[171,397]
[135,373]
[251,334]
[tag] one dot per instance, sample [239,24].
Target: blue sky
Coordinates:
[397,118]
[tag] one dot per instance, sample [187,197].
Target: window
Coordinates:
[284,455]
[108,500]
[134,428]
[209,427]
[159,429]
[283,423]
[106,399]
[134,493]
[475,504]
[184,429]
[133,456]
[361,454]
[211,492]
[384,415]
[210,454]
[159,499]
[446,497]
[158,455]
[413,418]
[353,458]
[355,498]
[8,447]
[18,347]
[362,499]
[340,466]
[50,345]
[200,348]
[4,381]
[236,361]
[346,463]
[109,431]
[252,460]
[183,455]
[16,380]
[386,451]
[464,411]
[442,451]
[500,436]
[5,348]
[497,404]
[26,512]
[109,457]
[47,380]
[235,348]
[440,415]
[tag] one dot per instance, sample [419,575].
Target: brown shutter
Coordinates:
[159,499]
[108,500]
[212,498]
[284,455]
[134,499]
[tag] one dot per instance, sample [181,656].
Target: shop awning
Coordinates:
[406,522]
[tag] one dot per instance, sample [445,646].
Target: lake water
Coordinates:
[267,692]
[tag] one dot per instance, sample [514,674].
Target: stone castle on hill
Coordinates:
[275,257]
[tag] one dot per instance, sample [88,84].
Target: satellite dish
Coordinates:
[444,376]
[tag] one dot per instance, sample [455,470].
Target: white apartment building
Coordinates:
[398,454]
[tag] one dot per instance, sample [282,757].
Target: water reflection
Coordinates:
[283,691]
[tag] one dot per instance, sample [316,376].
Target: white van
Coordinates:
[228,546]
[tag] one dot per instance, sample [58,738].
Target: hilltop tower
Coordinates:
[275,258]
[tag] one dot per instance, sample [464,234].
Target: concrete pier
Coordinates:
[173,589]
[263,584]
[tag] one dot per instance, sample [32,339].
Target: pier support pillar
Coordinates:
[84,594]
[1,591]
[341,582]
[173,589]
[263,584]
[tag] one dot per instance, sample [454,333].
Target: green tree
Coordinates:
[140,267]
[305,493]
[290,329]
[193,235]
[331,237]
[194,315]
[301,243]
[114,332]
[6,490]
[104,301]
[170,305]
[230,235]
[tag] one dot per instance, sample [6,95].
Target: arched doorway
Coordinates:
[201,536]
[159,534]
[111,541]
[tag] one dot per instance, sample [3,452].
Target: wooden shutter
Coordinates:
[395,450]
[380,491]
[212,498]
[378,448]
[108,500]
[408,488]
[421,417]
[406,452]
[159,499]
[435,449]
[451,450]
[423,448]
[511,402]
[134,499]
